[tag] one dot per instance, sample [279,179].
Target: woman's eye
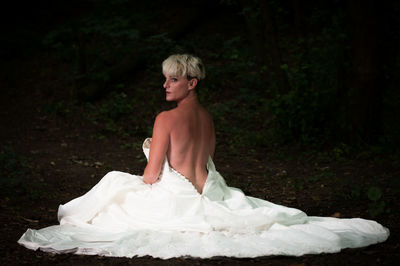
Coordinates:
[174,79]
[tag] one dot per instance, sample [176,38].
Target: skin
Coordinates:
[184,134]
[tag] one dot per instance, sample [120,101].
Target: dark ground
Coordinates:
[64,161]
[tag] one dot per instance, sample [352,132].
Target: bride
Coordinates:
[184,134]
[181,206]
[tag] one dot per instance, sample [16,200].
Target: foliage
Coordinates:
[373,194]
[122,115]
[377,204]
[96,41]
[311,111]
[60,108]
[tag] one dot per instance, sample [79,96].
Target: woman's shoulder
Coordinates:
[166,115]
[165,118]
[162,119]
[176,114]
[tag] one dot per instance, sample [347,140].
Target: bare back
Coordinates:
[192,141]
[184,134]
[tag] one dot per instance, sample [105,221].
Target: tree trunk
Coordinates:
[256,34]
[271,37]
[299,16]
[365,99]
[263,34]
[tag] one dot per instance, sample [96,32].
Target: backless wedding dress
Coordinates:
[122,216]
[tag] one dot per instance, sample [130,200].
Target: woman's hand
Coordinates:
[149,181]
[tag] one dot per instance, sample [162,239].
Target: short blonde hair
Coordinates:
[184,65]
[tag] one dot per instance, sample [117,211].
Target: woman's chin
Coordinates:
[169,98]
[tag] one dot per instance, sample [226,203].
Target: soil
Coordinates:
[65,161]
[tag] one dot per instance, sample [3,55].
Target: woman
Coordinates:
[186,133]
[182,205]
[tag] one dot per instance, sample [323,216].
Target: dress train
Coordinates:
[122,216]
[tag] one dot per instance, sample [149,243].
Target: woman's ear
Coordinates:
[192,83]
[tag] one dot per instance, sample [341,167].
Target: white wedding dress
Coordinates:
[122,216]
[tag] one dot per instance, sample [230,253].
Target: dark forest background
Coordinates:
[321,73]
[306,93]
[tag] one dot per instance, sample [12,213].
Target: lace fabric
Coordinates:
[185,179]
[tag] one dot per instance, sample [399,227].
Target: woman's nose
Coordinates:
[165,85]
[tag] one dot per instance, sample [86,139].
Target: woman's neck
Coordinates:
[190,99]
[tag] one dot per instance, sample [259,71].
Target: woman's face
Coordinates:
[176,88]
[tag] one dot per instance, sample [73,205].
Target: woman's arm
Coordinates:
[158,148]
